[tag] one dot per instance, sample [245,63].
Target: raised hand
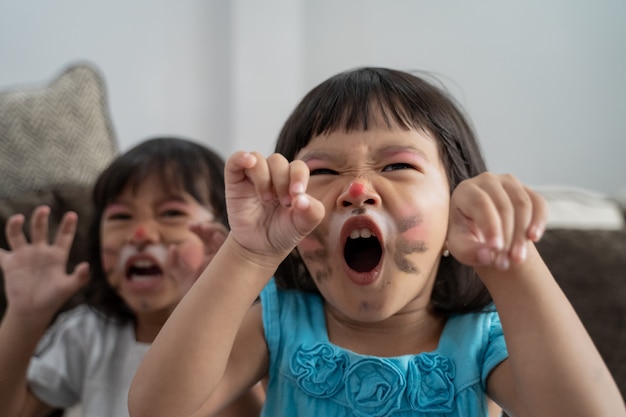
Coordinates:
[268,209]
[36,281]
[492,220]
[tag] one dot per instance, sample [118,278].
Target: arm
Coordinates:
[212,347]
[36,287]
[553,366]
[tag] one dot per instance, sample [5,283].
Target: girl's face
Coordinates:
[386,195]
[149,254]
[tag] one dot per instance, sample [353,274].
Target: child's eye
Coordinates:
[323,171]
[397,166]
[173,213]
[118,216]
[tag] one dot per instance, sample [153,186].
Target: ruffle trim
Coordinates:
[375,387]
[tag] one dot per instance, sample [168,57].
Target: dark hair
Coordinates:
[181,165]
[347,102]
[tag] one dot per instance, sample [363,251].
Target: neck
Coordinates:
[148,326]
[402,334]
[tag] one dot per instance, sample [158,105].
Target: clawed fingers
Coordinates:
[268,208]
[39,229]
[502,214]
[39,225]
[14,231]
[67,230]
[273,177]
[27,266]
[277,183]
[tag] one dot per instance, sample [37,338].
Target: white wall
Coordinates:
[165,62]
[543,81]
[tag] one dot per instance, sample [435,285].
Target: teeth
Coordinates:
[360,233]
[142,264]
[142,277]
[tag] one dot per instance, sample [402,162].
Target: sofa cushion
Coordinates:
[55,134]
[580,208]
[590,267]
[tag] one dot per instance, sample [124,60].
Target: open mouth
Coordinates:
[143,269]
[362,251]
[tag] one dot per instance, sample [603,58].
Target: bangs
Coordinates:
[168,172]
[364,100]
[174,176]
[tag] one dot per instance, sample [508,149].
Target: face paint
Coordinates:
[158,252]
[403,248]
[356,189]
[314,252]
[407,223]
[410,241]
[412,226]
[145,306]
[140,233]
[384,223]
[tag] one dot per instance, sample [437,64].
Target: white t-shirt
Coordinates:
[85,358]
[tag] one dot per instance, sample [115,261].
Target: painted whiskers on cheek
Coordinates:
[404,246]
[157,251]
[109,255]
[314,252]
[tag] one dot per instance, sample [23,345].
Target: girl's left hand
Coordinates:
[492,220]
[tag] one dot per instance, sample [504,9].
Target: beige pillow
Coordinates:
[56,134]
[580,208]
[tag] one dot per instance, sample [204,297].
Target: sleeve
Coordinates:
[271,312]
[495,351]
[56,370]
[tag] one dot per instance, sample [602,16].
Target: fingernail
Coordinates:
[502,262]
[497,242]
[302,202]
[520,252]
[537,232]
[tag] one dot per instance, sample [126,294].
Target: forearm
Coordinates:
[189,356]
[555,366]
[18,341]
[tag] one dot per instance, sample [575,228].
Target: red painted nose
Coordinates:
[356,189]
[140,233]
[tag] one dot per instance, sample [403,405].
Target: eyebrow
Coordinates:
[388,150]
[394,149]
[131,201]
[323,155]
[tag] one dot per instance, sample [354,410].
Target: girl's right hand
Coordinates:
[268,209]
[35,278]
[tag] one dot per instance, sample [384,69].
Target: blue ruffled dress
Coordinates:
[309,376]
